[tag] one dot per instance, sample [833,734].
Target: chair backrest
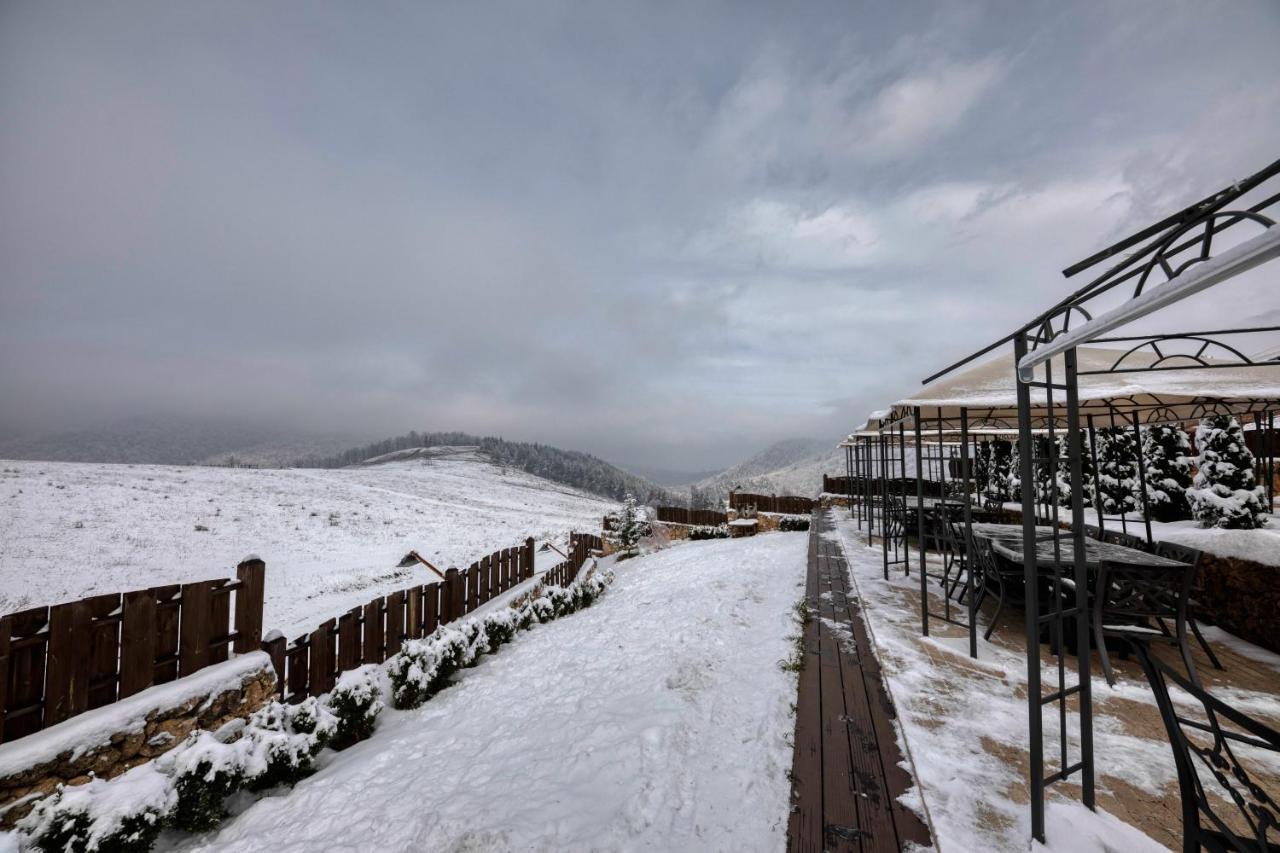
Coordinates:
[1181,553]
[1133,592]
[1128,540]
[1247,818]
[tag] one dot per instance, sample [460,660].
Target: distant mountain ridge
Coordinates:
[792,467]
[568,467]
[172,441]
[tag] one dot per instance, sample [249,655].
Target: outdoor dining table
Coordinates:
[1006,540]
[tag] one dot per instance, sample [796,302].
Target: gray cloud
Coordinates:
[664,233]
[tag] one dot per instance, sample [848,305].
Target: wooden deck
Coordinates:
[846,777]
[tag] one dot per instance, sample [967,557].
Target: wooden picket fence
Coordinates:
[787,504]
[682,515]
[59,661]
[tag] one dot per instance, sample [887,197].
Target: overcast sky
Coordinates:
[667,233]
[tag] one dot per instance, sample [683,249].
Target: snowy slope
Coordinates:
[331,539]
[657,719]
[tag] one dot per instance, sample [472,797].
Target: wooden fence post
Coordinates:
[528,559]
[487,565]
[252,577]
[275,650]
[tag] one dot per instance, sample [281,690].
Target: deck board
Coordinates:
[846,777]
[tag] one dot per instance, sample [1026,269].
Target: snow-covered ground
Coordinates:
[657,719]
[331,538]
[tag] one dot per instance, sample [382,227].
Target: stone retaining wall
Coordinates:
[106,753]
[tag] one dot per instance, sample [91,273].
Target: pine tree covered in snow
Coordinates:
[1166,452]
[1013,480]
[1064,471]
[629,528]
[1225,492]
[1118,470]
[1002,461]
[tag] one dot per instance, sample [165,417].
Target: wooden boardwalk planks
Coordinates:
[846,777]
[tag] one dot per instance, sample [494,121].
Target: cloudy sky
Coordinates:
[668,233]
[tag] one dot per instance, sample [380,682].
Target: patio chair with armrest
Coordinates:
[1223,745]
[991,569]
[1128,597]
[1192,556]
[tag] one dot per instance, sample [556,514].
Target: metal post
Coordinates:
[968,533]
[1032,609]
[884,503]
[1083,634]
[924,579]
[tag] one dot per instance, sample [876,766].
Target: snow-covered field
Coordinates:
[330,538]
[657,719]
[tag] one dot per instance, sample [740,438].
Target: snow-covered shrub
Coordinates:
[1166,454]
[718,532]
[291,736]
[206,771]
[792,524]
[1225,492]
[125,814]
[356,700]
[1118,470]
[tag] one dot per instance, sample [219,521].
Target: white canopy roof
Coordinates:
[1160,395]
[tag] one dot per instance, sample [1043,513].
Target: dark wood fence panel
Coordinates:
[63,660]
[683,515]
[786,504]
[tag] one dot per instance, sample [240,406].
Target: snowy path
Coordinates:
[658,719]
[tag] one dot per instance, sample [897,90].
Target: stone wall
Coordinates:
[1241,597]
[34,766]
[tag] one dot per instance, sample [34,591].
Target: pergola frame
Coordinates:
[1164,248]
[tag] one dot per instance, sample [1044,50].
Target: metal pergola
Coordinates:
[1164,263]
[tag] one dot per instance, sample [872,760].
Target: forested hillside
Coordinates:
[570,467]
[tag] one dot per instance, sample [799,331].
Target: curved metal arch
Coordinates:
[1045,332]
[1161,257]
[1198,356]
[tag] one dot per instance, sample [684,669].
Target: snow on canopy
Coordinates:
[989,392]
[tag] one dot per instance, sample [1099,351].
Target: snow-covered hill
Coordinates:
[791,467]
[331,539]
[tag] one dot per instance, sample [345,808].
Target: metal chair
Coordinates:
[1127,597]
[990,568]
[1128,540]
[1207,746]
[1183,554]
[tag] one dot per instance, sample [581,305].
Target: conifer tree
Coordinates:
[1225,492]
[629,528]
[1166,452]
[1118,470]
